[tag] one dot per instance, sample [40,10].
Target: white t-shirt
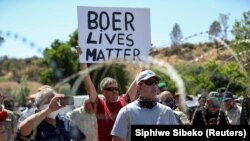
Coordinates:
[86,122]
[134,114]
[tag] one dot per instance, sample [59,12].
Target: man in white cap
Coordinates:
[145,106]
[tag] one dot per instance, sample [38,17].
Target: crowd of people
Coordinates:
[109,118]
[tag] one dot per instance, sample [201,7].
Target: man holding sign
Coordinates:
[106,109]
[113,33]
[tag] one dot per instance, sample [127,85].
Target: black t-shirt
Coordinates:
[203,117]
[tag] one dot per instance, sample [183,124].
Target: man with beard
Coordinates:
[233,111]
[210,114]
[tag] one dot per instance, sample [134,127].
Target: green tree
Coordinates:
[47,77]
[241,29]
[176,35]
[73,41]
[203,78]
[62,62]
[215,29]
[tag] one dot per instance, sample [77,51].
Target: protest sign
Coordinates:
[106,33]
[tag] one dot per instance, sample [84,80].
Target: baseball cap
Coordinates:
[202,96]
[146,74]
[228,96]
[215,95]
[222,90]
[162,85]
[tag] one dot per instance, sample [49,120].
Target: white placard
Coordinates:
[107,33]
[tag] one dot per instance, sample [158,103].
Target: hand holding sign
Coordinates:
[78,50]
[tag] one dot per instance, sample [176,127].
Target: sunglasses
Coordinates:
[111,89]
[229,100]
[169,100]
[151,82]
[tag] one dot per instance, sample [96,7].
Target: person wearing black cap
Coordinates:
[145,106]
[222,91]
[233,111]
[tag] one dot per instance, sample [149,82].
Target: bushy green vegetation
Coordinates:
[209,77]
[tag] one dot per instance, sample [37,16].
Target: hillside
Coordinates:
[191,53]
[7,87]
[12,69]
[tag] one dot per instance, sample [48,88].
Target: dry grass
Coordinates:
[6,86]
[201,55]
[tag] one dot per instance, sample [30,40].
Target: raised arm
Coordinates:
[132,90]
[31,123]
[91,90]
[89,86]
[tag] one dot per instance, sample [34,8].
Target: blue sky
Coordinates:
[29,26]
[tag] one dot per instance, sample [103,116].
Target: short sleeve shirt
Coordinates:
[64,131]
[106,115]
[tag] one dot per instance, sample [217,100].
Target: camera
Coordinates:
[67,100]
